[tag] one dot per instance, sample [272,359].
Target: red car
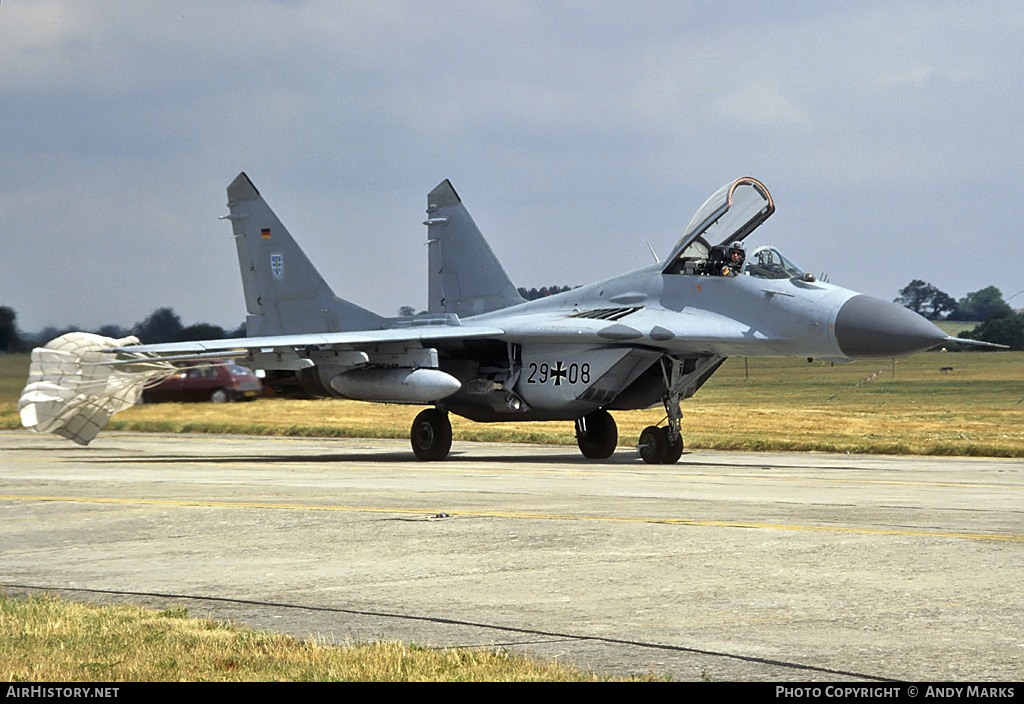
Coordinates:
[218,383]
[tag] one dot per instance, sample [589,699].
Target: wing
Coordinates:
[291,352]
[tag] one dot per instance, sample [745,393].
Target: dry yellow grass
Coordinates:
[44,639]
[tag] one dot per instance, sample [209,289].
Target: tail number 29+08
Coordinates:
[558,372]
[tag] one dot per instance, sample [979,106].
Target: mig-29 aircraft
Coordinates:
[648,337]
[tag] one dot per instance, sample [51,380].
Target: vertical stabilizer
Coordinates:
[284,293]
[465,277]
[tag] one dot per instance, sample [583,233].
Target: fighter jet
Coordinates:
[649,337]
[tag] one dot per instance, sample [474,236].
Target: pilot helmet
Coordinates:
[737,246]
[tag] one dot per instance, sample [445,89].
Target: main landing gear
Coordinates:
[597,435]
[431,434]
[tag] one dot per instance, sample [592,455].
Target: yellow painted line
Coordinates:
[521,515]
[226,504]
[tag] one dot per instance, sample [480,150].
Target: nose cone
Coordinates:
[867,327]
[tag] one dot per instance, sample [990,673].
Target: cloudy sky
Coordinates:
[890,135]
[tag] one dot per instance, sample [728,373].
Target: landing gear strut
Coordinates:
[597,435]
[665,445]
[431,434]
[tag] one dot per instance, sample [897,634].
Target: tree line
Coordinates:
[998,322]
[162,325]
[532,294]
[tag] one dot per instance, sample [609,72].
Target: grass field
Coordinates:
[956,328]
[44,639]
[910,407]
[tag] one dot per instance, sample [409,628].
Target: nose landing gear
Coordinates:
[661,445]
[655,447]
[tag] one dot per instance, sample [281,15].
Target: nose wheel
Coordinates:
[665,445]
[659,446]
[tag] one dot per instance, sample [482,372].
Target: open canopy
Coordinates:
[733,212]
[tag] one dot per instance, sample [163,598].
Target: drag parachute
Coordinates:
[75,384]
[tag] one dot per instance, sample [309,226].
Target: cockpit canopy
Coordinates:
[732,213]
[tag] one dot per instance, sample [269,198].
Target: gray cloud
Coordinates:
[888,135]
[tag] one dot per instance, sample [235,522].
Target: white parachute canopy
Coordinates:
[75,384]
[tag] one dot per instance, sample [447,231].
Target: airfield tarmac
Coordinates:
[728,566]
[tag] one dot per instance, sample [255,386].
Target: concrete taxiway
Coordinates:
[729,566]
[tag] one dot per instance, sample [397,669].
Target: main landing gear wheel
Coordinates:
[655,448]
[597,435]
[431,435]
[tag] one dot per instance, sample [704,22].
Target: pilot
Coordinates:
[734,259]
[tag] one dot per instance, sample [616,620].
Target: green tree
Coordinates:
[48,333]
[162,325]
[1002,329]
[983,304]
[925,299]
[10,341]
[201,331]
[114,331]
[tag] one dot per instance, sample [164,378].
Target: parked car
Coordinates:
[218,383]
